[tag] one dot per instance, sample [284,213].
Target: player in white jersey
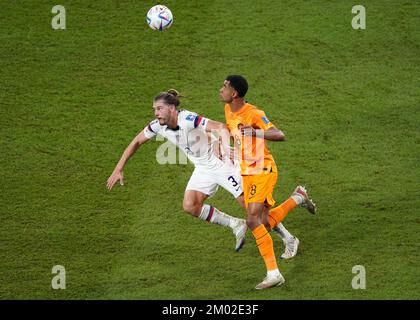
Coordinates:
[193,135]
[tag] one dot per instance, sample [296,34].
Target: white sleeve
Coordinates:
[195,121]
[151,129]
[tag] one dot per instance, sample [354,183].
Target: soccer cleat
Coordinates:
[269,282]
[240,233]
[306,202]
[291,248]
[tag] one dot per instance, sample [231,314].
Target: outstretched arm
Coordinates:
[117,174]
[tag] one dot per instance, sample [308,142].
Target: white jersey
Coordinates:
[190,136]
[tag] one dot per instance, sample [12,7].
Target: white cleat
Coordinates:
[269,282]
[306,202]
[291,248]
[240,233]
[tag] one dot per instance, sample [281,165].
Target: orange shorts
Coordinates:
[259,188]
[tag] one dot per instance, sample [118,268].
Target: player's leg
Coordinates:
[194,204]
[229,177]
[265,246]
[233,184]
[241,201]
[298,197]
[265,218]
[256,191]
[201,186]
[291,243]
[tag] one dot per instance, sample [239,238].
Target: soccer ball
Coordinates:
[159,17]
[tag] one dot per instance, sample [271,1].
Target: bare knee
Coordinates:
[252,222]
[192,207]
[193,202]
[253,213]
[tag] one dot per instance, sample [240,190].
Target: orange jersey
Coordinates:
[254,155]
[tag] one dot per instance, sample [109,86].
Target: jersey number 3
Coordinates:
[234,182]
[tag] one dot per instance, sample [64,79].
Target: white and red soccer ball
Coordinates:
[159,17]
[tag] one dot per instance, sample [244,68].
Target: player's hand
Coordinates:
[222,151]
[248,131]
[115,176]
[228,155]
[233,155]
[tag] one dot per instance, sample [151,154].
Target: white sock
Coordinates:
[298,199]
[213,215]
[273,273]
[283,232]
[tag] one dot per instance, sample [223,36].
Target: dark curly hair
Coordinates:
[238,83]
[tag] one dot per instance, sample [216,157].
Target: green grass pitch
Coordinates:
[71,100]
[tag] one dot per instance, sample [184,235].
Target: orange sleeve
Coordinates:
[260,120]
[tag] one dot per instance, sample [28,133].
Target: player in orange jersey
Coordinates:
[250,127]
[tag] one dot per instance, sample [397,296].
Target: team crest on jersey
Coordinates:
[265,120]
[190,117]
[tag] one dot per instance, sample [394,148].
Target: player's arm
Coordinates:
[272,133]
[263,128]
[117,174]
[221,131]
[216,126]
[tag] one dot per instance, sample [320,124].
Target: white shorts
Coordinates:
[208,181]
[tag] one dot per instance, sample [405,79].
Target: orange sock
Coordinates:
[265,245]
[278,214]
